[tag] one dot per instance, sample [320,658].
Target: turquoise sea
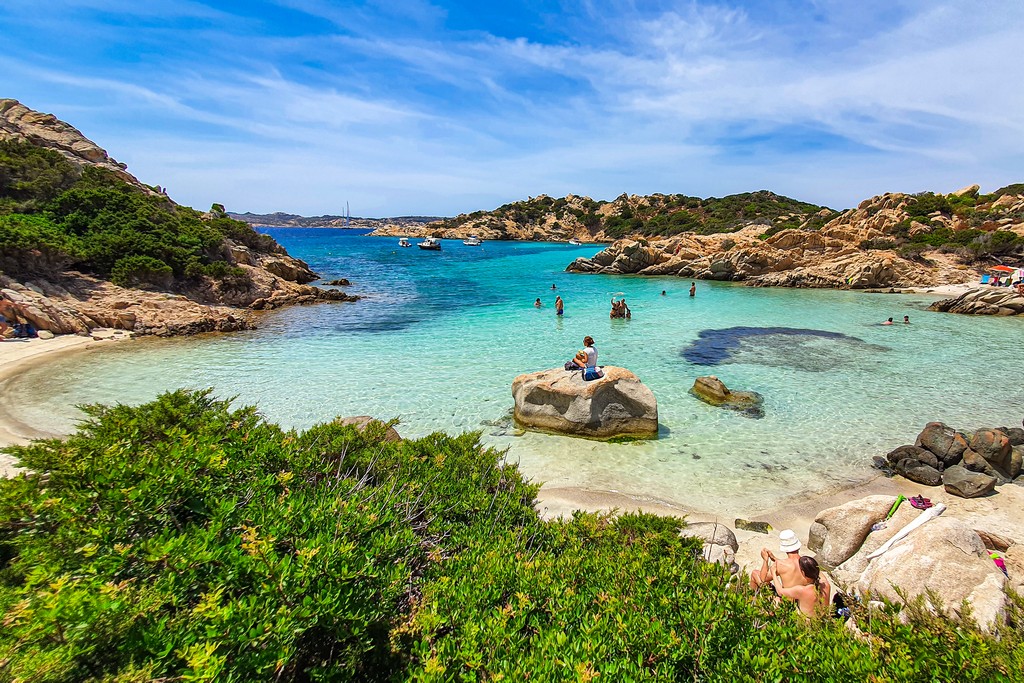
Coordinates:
[439,336]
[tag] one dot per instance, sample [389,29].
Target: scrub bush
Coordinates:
[92,220]
[184,540]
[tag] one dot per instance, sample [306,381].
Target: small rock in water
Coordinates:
[880,463]
[759,527]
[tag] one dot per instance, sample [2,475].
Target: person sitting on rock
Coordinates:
[786,568]
[587,360]
[810,592]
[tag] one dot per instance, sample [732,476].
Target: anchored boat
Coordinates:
[430,243]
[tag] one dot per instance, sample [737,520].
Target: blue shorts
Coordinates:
[558,312]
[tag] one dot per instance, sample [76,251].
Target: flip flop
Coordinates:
[921,503]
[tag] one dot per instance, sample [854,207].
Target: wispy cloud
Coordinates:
[420,107]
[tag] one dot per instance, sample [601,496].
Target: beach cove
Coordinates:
[438,338]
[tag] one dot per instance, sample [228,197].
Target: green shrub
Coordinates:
[135,270]
[93,220]
[184,540]
[878,243]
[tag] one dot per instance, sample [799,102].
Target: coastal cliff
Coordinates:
[893,240]
[85,244]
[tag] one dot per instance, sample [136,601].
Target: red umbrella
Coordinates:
[1003,269]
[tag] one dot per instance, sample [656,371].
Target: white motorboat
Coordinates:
[430,243]
[404,242]
[472,241]
[574,242]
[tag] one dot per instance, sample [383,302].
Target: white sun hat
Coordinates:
[788,542]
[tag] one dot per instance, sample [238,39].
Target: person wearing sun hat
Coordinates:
[787,567]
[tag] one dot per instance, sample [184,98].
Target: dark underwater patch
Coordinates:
[801,349]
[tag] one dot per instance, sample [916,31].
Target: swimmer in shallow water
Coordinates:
[537,303]
[888,322]
[559,306]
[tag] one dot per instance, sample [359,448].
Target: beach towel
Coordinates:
[927,515]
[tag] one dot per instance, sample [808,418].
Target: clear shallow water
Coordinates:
[439,336]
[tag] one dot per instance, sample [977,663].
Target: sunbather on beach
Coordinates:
[811,590]
[786,568]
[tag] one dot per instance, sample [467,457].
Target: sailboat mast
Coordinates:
[348,215]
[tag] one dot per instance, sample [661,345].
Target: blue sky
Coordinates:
[418,107]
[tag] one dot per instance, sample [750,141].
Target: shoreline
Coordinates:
[997,513]
[17,356]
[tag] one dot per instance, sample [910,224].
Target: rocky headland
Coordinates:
[884,242]
[69,266]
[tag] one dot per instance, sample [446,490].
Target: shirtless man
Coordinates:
[787,568]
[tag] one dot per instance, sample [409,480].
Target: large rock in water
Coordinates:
[945,557]
[713,391]
[617,405]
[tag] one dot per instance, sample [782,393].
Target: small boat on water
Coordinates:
[404,242]
[472,241]
[431,243]
[574,242]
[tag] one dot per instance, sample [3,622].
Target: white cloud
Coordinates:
[701,99]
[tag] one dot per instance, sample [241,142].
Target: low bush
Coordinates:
[185,540]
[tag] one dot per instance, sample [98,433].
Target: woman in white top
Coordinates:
[587,359]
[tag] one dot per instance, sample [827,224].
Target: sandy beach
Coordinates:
[17,356]
[999,513]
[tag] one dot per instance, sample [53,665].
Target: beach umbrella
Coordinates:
[1002,269]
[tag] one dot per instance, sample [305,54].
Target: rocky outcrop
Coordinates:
[61,301]
[713,391]
[962,482]
[837,533]
[966,465]
[947,444]
[559,401]
[855,250]
[45,130]
[943,558]
[983,300]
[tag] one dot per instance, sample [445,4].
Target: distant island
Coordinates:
[279,219]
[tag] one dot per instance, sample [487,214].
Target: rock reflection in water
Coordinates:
[799,349]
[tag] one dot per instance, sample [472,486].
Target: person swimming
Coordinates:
[537,303]
[888,322]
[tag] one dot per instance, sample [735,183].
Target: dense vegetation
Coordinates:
[183,540]
[55,216]
[928,211]
[660,214]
